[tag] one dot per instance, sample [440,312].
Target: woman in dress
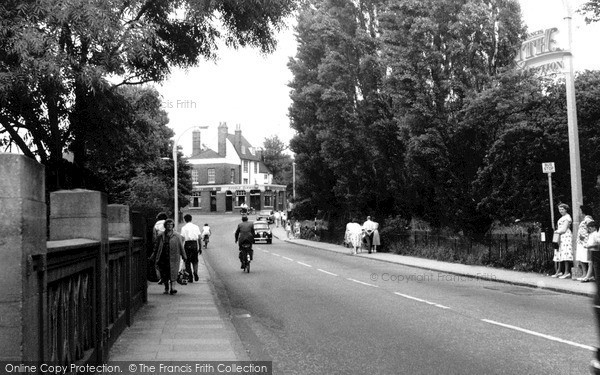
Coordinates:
[581,254]
[376,238]
[167,254]
[565,247]
[354,235]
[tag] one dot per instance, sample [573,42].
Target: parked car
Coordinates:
[267,215]
[262,232]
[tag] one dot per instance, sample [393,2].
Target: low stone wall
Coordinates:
[65,298]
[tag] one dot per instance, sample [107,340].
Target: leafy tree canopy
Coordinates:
[56,59]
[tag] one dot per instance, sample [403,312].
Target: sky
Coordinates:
[246,88]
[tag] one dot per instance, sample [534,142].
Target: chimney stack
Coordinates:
[238,136]
[222,139]
[196,143]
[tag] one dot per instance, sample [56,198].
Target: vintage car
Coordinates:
[267,215]
[262,232]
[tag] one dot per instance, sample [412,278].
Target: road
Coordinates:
[318,312]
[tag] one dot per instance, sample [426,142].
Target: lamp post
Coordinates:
[575,162]
[175,181]
[294,181]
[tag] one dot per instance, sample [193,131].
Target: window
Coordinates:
[232,176]
[245,181]
[194,176]
[196,199]
[266,178]
[245,166]
[255,167]
[211,175]
[268,198]
[240,197]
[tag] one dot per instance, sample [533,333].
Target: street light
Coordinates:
[176,196]
[575,162]
[294,181]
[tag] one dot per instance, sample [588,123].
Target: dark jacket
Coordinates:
[244,233]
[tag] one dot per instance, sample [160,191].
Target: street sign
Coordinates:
[548,167]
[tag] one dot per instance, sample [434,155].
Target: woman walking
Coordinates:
[167,254]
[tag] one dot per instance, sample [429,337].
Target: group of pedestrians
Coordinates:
[170,248]
[280,218]
[366,234]
[587,241]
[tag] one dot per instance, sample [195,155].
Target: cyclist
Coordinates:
[244,208]
[205,234]
[244,236]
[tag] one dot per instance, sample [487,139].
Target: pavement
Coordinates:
[194,326]
[191,325]
[528,279]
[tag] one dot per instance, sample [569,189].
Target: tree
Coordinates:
[530,120]
[135,149]
[55,58]
[438,54]
[591,10]
[346,144]
[277,160]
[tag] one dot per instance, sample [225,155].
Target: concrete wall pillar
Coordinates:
[81,213]
[78,213]
[22,238]
[119,223]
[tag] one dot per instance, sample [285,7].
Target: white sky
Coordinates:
[244,87]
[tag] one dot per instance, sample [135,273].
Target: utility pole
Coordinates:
[575,161]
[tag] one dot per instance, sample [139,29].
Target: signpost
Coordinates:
[549,169]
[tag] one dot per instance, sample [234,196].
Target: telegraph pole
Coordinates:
[575,161]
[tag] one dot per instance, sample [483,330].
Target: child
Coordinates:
[205,234]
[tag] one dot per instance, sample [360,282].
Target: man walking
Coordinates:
[191,236]
[369,228]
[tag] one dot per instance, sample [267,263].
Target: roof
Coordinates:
[206,154]
[246,145]
[262,168]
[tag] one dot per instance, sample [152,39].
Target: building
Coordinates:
[234,174]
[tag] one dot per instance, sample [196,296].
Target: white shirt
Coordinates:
[205,230]
[369,226]
[190,232]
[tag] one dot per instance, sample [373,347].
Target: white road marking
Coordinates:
[287,258]
[304,264]
[540,335]
[329,273]
[421,300]
[265,251]
[277,255]
[363,283]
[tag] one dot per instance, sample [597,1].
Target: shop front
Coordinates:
[229,198]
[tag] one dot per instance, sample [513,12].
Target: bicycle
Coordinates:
[247,211]
[247,263]
[247,258]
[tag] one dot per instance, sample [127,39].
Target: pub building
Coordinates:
[223,180]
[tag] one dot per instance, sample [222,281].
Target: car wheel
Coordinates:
[269,241]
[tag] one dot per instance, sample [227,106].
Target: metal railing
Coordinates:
[76,330]
[516,251]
